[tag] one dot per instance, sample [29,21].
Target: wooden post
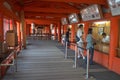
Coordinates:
[86,26]
[73,33]
[1,28]
[59,32]
[48,32]
[65,29]
[1,2]
[19,32]
[55,29]
[11,25]
[23,29]
[28,29]
[113,40]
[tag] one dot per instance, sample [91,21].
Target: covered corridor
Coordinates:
[41,58]
[44,60]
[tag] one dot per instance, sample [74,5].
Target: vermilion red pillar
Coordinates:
[86,26]
[1,28]
[23,29]
[113,40]
[11,25]
[28,29]
[19,32]
[65,28]
[73,33]
[48,31]
[55,33]
[59,32]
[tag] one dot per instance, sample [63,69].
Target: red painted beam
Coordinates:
[1,2]
[50,5]
[102,2]
[45,14]
[50,10]
[43,18]
[43,22]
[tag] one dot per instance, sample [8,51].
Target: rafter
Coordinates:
[12,1]
[51,5]
[50,10]
[102,2]
[43,18]
[45,14]
[1,2]
[43,22]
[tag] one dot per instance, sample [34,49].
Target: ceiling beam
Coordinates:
[51,4]
[16,6]
[43,22]
[1,2]
[45,14]
[11,1]
[50,10]
[44,18]
[102,2]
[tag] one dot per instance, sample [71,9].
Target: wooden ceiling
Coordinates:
[52,9]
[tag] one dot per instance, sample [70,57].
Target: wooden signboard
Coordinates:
[91,13]
[114,7]
[73,18]
[64,21]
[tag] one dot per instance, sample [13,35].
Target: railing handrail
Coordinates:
[75,44]
[75,61]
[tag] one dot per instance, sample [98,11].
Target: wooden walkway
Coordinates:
[42,60]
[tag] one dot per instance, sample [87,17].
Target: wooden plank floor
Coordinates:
[97,71]
[42,60]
